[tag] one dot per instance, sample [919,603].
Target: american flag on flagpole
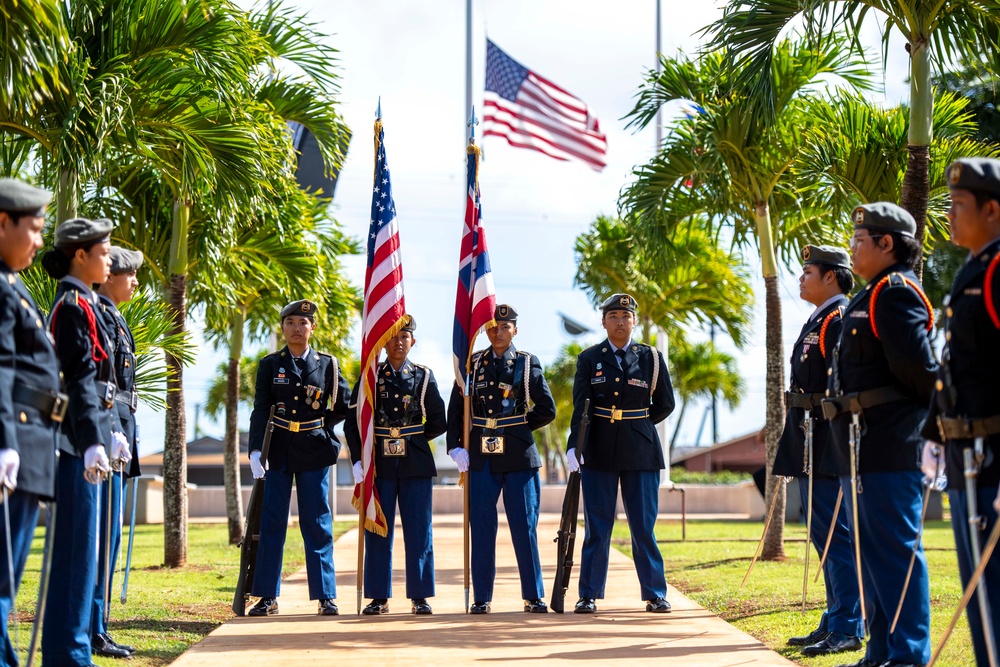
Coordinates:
[382,317]
[532,112]
[476,299]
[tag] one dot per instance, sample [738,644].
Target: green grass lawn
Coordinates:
[167,610]
[710,565]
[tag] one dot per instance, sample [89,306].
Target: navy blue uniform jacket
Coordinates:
[118,332]
[809,376]
[490,379]
[280,385]
[630,444]
[26,356]
[974,346]
[900,357]
[411,397]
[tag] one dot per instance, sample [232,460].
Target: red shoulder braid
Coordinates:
[905,281]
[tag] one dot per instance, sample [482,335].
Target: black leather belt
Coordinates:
[804,401]
[399,431]
[493,423]
[129,398]
[295,427]
[860,400]
[953,428]
[50,403]
[614,414]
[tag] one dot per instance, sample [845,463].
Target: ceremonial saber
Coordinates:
[853,429]
[809,509]
[131,540]
[107,544]
[43,581]
[767,523]
[829,534]
[916,545]
[974,580]
[975,520]
[10,561]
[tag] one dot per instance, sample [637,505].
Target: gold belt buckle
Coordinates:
[394,431]
[293,427]
[616,415]
[491,423]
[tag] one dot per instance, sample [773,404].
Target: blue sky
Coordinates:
[412,55]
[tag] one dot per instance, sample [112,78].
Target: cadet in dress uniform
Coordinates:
[409,413]
[310,397]
[116,290]
[826,279]
[881,378]
[30,403]
[510,399]
[81,258]
[630,392]
[964,413]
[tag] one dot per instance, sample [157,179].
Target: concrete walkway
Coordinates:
[621,630]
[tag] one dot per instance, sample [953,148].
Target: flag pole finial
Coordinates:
[378,109]
[473,121]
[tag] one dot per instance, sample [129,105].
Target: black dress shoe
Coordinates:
[264,607]
[897,663]
[376,607]
[834,642]
[585,606]
[479,608]
[421,608]
[536,606]
[124,647]
[327,607]
[658,606]
[816,635]
[863,662]
[100,646]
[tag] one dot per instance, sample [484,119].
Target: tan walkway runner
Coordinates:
[621,630]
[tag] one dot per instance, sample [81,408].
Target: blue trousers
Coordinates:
[843,606]
[641,498]
[414,497]
[97,626]
[960,524]
[316,523]
[23,508]
[521,491]
[888,519]
[68,607]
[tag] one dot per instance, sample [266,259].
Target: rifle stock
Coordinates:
[251,531]
[566,538]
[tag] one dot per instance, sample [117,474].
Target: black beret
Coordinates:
[82,230]
[18,196]
[826,254]
[884,217]
[124,260]
[410,324]
[303,308]
[975,173]
[619,302]
[505,313]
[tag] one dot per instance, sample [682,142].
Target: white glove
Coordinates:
[10,462]
[120,451]
[461,458]
[359,474]
[572,461]
[932,461]
[96,459]
[255,467]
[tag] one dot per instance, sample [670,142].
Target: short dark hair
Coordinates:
[905,249]
[983,197]
[845,279]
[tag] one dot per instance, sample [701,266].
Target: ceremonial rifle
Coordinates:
[251,530]
[566,539]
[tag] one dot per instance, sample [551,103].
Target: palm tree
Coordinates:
[738,163]
[937,34]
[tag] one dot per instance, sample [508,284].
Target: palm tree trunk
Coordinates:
[774,546]
[231,446]
[916,182]
[175,508]
[66,197]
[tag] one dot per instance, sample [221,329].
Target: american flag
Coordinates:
[476,299]
[532,112]
[381,318]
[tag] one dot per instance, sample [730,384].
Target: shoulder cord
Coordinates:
[988,290]
[827,321]
[97,351]
[906,281]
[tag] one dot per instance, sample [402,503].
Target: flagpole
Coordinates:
[468,68]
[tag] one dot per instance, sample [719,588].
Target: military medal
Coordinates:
[315,405]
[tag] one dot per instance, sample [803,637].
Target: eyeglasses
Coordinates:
[856,240]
